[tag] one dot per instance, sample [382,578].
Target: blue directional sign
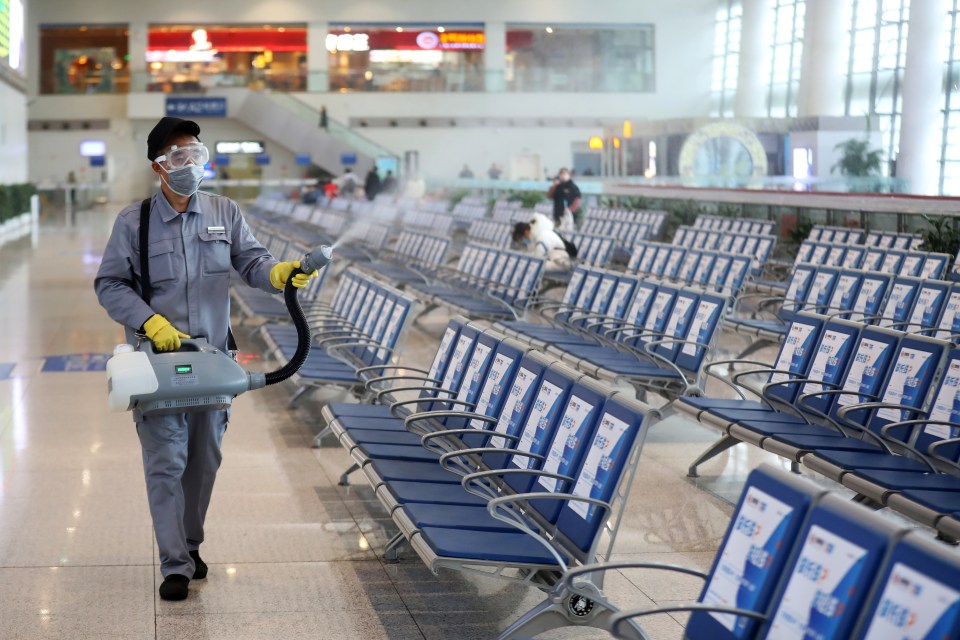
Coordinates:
[304,158]
[348,159]
[263,159]
[197,107]
[6,368]
[76,362]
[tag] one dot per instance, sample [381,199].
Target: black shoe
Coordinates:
[200,567]
[174,587]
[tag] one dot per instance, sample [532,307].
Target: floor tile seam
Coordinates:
[4,567]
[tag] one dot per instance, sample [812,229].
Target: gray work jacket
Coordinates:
[190,258]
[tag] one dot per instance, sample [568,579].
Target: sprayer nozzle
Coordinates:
[316,259]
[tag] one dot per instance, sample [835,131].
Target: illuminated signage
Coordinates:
[174,55]
[239,146]
[462,40]
[596,143]
[92,148]
[347,42]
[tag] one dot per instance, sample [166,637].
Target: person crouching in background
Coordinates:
[541,239]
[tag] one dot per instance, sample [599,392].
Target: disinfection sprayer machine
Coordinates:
[200,377]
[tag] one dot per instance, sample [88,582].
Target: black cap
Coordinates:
[166,128]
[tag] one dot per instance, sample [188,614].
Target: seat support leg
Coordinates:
[318,439]
[345,476]
[565,609]
[391,553]
[299,395]
[712,451]
[753,347]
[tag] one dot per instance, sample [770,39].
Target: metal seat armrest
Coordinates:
[391,367]
[427,440]
[708,371]
[495,506]
[619,620]
[567,581]
[369,384]
[445,458]
[402,403]
[471,483]
[426,415]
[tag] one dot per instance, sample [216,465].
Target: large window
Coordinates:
[950,148]
[191,58]
[406,57]
[579,58]
[81,60]
[726,57]
[786,26]
[878,51]
[11,35]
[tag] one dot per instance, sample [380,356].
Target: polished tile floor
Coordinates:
[291,554]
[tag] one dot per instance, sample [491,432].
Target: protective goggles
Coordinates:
[177,157]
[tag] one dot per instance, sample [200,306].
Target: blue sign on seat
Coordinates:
[197,107]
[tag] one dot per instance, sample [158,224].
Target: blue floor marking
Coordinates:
[76,362]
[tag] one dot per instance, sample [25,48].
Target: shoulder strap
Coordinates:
[146,290]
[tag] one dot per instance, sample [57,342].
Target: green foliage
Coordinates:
[456,196]
[626,202]
[729,211]
[801,232]
[857,159]
[14,200]
[527,199]
[942,236]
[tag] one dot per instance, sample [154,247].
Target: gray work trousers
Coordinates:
[181,455]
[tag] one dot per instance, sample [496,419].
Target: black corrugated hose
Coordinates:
[303,333]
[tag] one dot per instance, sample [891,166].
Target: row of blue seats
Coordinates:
[917,305]
[620,328]
[440,223]
[903,262]
[711,269]
[486,282]
[736,225]
[507,462]
[415,257]
[797,561]
[593,249]
[875,238]
[491,232]
[626,232]
[356,335]
[760,246]
[848,399]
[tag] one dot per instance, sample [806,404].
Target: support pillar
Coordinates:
[823,67]
[137,50]
[751,97]
[318,58]
[920,133]
[494,56]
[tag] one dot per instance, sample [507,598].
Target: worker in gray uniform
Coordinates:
[194,238]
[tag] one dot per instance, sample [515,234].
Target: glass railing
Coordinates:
[144,81]
[336,129]
[599,185]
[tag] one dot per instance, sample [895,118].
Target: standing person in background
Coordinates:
[466,172]
[389,184]
[494,172]
[566,201]
[371,185]
[324,123]
[541,239]
[415,187]
[347,183]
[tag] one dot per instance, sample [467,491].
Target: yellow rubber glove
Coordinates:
[281,273]
[164,335]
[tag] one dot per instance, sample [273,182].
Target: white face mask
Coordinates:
[184,181]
